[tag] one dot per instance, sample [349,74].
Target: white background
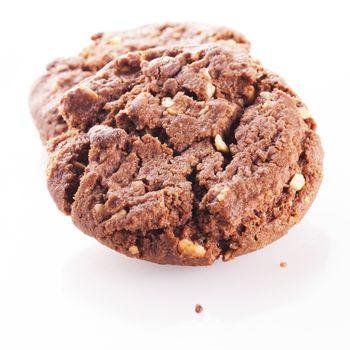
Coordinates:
[62,290]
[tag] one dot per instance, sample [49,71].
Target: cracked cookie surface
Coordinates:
[64,73]
[181,155]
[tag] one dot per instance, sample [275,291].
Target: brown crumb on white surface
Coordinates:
[198,308]
[283,264]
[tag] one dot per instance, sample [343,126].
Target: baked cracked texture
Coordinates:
[185,154]
[63,73]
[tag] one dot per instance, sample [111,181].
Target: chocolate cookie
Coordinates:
[62,74]
[182,155]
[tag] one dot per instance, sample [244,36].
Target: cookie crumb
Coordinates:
[198,308]
[283,264]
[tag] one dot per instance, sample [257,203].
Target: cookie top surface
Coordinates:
[106,46]
[64,73]
[181,155]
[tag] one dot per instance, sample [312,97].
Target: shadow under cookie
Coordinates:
[103,284]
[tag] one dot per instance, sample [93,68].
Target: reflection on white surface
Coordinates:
[128,289]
